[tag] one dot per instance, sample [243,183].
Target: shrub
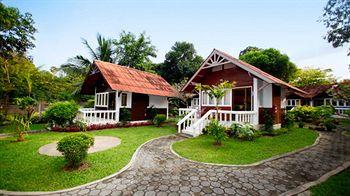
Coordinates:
[328,124]
[151,113]
[74,148]
[125,115]
[217,131]
[288,119]
[159,119]
[89,103]
[61,113]
[325,111]
[245,131]
[268,124]
[304,114]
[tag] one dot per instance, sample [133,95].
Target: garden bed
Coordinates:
[24,169]
[236,152]
[12,128]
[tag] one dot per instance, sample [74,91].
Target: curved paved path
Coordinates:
[157,171]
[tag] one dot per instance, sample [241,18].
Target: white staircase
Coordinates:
[194,126]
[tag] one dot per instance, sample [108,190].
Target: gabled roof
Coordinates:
[313,91]
[246,66]
[128,79]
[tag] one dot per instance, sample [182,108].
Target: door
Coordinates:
[139,106]
[276,103]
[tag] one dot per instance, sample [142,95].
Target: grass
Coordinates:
[335,185]
[12,128]
[22,168]
[238,152]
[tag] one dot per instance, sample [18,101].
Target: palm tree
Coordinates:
[80,65]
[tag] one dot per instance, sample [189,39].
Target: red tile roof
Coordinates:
[313,91]
[128,79]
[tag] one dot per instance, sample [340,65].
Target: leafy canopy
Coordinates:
[336,18]
[180,63]
[313,77]
[342,90]
[271,61]
[16,31]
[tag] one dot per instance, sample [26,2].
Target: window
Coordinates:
[101,99]
[293,102]
[124,101]
[210,101]
[327,101]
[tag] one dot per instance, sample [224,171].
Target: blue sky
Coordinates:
[288,25]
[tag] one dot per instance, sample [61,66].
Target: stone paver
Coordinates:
[157,171]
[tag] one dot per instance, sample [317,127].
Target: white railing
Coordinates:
[187,121]
[341,111]
[185,111]
[87,109]
[225,118]
[97,116]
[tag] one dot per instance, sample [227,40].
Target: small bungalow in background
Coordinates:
[254,94]
[116,87]
[317,96]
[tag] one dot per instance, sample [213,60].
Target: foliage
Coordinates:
[180,63]
[22,125]
[303,114]
[268,124]
[342,90]
[16,31]
[243,131]
[271,61]
[347,112]
[89,103]
[61,113]
[134,51]
[329,124]
[217,131]
[337,21]
[151,112]
[74,148]
[322,112]
[125,115]
[249,49]
[26,104]
[159,119]
[288,119]
[313,77]
[81,125]
[216,91]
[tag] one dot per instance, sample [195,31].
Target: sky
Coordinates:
[290,26]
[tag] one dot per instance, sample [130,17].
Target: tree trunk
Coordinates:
[20,136]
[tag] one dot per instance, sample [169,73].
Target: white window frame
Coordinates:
[121,99]
[293,102]
[206,96]
[101,99]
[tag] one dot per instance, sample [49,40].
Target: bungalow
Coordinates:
[317,96]
[115,87]
[254,94]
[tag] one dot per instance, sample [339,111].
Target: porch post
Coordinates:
[116,106]
[199,103]
[256,101]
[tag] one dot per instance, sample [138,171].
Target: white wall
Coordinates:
[158,101]
[265,94]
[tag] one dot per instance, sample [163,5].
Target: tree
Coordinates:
[216,91]
[22,121]
[135,51]
[313,77]
[248,49]
[336,18]
[271,61]
[16,31]
[79,65]
[180,63]
[342,90]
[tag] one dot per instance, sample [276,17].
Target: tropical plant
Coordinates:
[288,119]
[159,119]
[271,61]
[180,63]
[216,91]
[217,131]
[62,113]
[313,77]
[22,125]
[244,131]
[125,115]
[268,124]
[342,90]
[135,51]
[26,104]
[74,148]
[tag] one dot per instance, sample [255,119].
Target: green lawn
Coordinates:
[12,128]
[335,185]
[23,169]
[238,152]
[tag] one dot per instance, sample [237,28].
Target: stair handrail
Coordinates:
[187,117]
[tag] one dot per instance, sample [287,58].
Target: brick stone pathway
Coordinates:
[157,171]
